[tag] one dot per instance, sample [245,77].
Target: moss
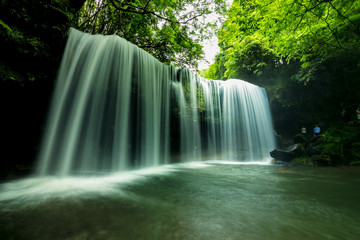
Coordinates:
[303,161]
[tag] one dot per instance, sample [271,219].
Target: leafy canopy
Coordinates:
[290,30]
[171,30]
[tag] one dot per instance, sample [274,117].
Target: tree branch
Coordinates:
[94,15]
[287,13]
[178,32]
[308,10]
[328,43]
[343,16]
[190,19]
[146,5]
[143,11]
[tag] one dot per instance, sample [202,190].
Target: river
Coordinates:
[207,200]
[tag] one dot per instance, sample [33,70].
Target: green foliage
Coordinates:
[301,29]
[305,53]
[5,30]
[305,161]
[286,30]
[215,70]
[170,30]
[31,38]
[341,144]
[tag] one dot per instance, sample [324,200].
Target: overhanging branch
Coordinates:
[144,11]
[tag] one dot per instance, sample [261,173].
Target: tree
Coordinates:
[294,29]
[303,29]
[306,53]
[170,30]
[30,35]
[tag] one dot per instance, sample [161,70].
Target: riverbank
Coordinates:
[336,145]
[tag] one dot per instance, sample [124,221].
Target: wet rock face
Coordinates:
[32,38]
[287,153]
[305,153]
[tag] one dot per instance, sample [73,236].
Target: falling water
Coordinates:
[116,107]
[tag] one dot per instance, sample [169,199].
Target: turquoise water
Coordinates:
[194,201]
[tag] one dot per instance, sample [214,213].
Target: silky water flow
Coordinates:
[118,114]
[117,108]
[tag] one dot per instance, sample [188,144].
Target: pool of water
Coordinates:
[192,201]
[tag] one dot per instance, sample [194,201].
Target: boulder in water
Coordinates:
[288,153]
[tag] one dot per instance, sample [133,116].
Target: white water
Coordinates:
[116,108]
[205,200]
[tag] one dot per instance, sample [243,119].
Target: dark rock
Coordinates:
[287,153]
[310,150]
[320,159]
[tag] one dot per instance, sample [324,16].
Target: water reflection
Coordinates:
[204,201]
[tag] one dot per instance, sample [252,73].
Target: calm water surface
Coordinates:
[204,201]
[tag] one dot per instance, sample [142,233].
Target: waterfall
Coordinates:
[115,107]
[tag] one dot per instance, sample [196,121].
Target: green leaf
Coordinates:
[306,64]
[7,28]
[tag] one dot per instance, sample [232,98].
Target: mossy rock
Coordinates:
[304,161]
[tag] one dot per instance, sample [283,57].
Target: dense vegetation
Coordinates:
[169,30]
[306,53]
[33,35]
